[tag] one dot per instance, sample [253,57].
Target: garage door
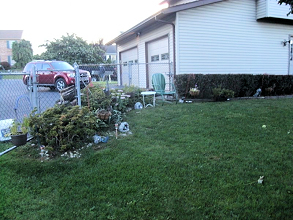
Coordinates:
[129,70]
[158,58]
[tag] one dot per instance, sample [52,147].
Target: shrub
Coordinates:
[134,93]
[63,127]
[5,65]
[95,98]
[242,84]
[220,94]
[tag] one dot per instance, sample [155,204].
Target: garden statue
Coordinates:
[124,127]
[138,105]
[258,92]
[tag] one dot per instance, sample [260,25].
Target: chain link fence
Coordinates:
[22,92]
[130,73]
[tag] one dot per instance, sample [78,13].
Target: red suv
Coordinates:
[54,74]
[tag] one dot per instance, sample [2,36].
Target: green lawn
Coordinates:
[184,161]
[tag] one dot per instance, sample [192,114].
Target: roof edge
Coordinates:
[189,5]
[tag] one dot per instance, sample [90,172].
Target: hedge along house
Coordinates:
[211,37]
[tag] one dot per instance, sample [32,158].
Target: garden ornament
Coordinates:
[98,139]
[124,127]
[138,105]
[260,180]
[116,128]
[258,92]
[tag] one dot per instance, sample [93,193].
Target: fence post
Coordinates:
[34,90]
[77,83]
[129,74]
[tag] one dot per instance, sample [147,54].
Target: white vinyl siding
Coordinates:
[271,8]
[225,37]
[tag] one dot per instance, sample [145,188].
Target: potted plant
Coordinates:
[19,131]
[194,91]
[103,114]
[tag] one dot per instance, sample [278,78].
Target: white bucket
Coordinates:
[5,129]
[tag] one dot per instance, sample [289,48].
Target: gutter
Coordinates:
[174,55]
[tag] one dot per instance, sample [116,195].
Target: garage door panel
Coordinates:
[129,76]
[158,58]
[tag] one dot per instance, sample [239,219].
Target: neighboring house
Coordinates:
[212,37]
[7,37]
[110,53]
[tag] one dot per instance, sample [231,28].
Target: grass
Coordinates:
[184,161]
[104,83]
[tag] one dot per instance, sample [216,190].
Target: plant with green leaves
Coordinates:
[64,128]
[222,94]
[22,53]
[18,128]
[72,48]
[95,98]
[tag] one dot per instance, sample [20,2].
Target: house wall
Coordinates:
[4,51]
[271,8]
[225,37]
[140,42]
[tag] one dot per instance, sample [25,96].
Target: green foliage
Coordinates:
[73,49]
[222,94]
[64,128]
[120,102]
[22,53]
[95,98]
[20,128]
[134,93]
[243,85]
[174,166]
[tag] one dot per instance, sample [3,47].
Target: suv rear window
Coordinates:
[62,66]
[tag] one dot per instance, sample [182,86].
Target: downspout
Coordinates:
[174,55]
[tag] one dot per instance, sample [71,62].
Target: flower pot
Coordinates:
[103,114]
[19,140]
[194,92]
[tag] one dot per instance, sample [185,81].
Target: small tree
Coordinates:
[72,49]
[22,53]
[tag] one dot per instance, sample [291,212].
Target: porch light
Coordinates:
[284,42]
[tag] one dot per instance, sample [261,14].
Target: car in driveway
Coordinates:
[54,74]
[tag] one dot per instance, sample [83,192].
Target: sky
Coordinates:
[43,20]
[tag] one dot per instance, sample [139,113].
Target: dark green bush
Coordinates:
[220,94]
[5,65]
[63,128]
[95,98]
[243,85]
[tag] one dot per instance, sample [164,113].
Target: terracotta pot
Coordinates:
[104,115]
[18,140]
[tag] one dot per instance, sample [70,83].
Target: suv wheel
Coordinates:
[60,84]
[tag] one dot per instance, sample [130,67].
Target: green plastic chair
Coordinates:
[159,85]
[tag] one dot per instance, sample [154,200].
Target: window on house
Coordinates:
[124,63]
[9,59]
[9,44]
[155,58]
[130,62]
[165,56]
